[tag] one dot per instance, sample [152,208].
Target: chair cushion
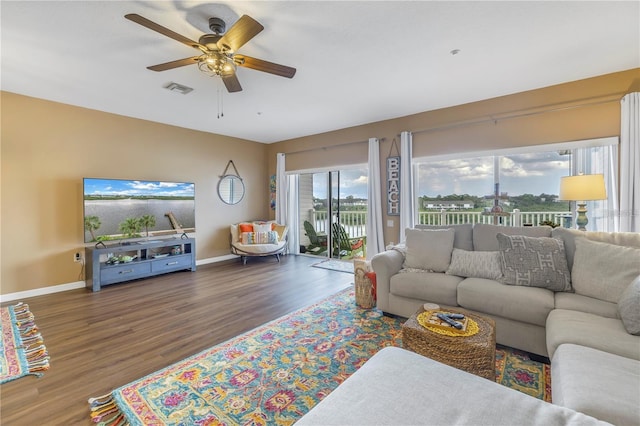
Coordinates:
[259,249]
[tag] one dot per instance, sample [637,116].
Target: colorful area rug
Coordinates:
[515,369]
[273,374]
[22,351]
[336,265]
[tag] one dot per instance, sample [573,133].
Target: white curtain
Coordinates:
[630,163]
[407,206]
[293,219]
[375,236]
[281,189]
[602,214]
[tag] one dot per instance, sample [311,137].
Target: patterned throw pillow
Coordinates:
[534,262]
[477,264]
[270,237]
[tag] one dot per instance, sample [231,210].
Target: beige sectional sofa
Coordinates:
[581,312]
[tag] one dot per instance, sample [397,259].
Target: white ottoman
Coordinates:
[398,387]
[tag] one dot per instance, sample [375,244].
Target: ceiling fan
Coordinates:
[218,55]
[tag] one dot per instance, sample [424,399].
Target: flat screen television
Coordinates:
[120,209]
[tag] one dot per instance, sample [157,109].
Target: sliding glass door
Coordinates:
[332,213]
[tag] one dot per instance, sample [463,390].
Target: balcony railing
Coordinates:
[355,221]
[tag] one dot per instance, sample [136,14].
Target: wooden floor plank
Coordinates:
[101,341]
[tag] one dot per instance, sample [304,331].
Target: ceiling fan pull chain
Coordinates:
[220,103]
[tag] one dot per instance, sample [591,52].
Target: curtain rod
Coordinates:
[596,101]
[324,148]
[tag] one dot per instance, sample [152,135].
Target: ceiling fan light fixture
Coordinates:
[214,64]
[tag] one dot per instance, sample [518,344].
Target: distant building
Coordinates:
[448,205]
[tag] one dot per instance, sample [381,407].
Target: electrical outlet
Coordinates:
[77,257]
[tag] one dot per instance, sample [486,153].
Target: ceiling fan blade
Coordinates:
[264,66]
[164,31]
[175,64]
[231,82]
[241,32]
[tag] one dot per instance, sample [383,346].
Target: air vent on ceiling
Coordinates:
[175,87]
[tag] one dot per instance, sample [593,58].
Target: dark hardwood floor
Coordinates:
[101,341]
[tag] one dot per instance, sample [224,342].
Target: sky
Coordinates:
[533,173]
[137,187]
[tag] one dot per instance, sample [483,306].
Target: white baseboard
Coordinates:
[41,291]
[216,259]
[81,284]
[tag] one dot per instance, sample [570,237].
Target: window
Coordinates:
[512,187]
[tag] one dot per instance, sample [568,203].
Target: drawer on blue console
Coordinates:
[171,263]
[127,271]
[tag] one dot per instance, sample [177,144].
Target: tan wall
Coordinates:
[46,150]
[578,110]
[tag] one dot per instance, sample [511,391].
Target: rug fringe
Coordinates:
[105,411]
[32,342]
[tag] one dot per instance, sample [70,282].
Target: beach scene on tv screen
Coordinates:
[116,209]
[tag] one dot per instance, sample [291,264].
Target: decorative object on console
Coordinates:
[582,188]
[231,187]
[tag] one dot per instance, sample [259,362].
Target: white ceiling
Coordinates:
[358,62]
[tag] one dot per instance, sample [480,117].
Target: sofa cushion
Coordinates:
[534,262]
[590,305]
[594,331]
[428,286]
[484,236]
[568,236]
[429,249]
[629,307]
[525,304]
[398,387]
[597,383]
[603,271]
[478,264]
[463,238]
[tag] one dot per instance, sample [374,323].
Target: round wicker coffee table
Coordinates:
[475,354]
